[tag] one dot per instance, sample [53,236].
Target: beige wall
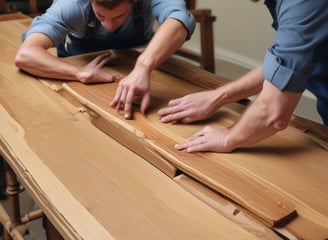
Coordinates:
[243,32]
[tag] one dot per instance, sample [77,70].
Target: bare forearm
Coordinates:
[244,87]
[267,115]
[168,39]
[40,62]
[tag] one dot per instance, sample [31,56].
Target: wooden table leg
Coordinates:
[13,191]
[3,184]
[14,219]
[51,231]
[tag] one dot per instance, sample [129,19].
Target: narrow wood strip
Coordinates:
[267,203]
[230,210]
[299,228]
[135,144]
[303,228]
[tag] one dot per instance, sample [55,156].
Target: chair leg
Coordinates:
[207,42]
[51,231]
[13,191]
[3,185]
[33,5]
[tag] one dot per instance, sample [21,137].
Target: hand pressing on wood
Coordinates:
[209,139]
[33,57]
[190,108]
[136,84]
[94,71]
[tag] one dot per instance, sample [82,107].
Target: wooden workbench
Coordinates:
[93,186]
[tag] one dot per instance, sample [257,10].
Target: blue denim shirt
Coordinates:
[300,44]
[75,18]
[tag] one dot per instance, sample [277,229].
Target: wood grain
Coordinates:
[288,153]
[229,209]
[270,205]
[90,186]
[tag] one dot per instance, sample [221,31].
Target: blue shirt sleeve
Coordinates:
[164,9]
[301,28]
[72,17]
[61,17]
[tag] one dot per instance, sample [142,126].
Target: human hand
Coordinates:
[190,108]
[93,72]
[136,84]
[209,139]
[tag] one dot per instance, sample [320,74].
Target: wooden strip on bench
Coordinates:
[260,198]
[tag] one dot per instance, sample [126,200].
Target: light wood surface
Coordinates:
[88,185]
[269,179]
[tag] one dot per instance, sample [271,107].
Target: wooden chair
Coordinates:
[2,6]
[33,7]
[206,57]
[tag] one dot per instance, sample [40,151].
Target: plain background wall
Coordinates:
[242,30]
[242,33]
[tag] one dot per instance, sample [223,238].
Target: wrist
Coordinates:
[146,62]
[229,142]
[82,76]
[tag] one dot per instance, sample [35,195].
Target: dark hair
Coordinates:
[109,3]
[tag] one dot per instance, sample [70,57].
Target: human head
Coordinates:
[110,3]
[112,13]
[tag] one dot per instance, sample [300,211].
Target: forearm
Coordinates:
[39,62]
[248,85]
[169,37]
[267,115]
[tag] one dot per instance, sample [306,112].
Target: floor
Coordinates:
[35,230]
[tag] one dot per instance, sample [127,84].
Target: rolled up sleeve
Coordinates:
[301,26]
[280,76]
[163,9]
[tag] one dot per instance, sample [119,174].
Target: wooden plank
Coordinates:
[12,134]
[299,228]
[273,154]
[229,209]
[135,143]
[270,205]
[89,185]
[95,183]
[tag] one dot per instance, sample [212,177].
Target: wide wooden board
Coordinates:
[88,185]
[270,205]
[250,176]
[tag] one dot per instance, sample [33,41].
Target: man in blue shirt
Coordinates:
[296,60]
[80,26]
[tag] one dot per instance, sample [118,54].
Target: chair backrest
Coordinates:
[205,19]
[190,4]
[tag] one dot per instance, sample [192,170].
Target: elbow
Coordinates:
[278,122]
[21,59]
